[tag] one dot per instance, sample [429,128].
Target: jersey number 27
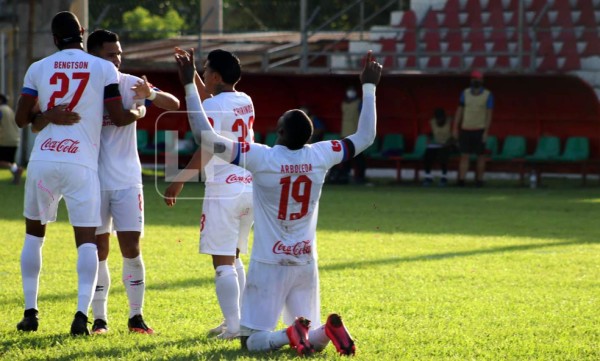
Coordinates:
[62,79]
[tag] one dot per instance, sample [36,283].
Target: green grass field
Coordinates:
[499,273]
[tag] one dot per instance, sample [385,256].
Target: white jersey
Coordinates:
[232,115]
[75,78]
[287,188]
[119,165]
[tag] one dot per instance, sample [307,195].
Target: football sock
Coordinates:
[31,265]
[241,275]
[228,294]
[101,295]
[318,338]
[87,271]
[134,275]
[267,341]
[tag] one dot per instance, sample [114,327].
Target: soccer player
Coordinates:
[64,159]
[121,186]
[288,180]
[227,212]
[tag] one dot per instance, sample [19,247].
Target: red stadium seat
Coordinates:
[477,39]
[569,62]
[430,20]
[548,63]
[431,39]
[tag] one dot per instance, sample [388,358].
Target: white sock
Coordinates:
[318,338]
[87,272]
[13,167]
[100,300]
[241,275]
[267,341]
[134,279]
[31,265]
[228,294]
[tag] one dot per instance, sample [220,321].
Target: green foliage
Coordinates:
[499,273]
[140,24]
[240,15]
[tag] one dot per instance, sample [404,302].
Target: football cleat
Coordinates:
[339,335]
[29,322]
[99,327]
[218,330]
[297,333]
[79,325]
[137,324]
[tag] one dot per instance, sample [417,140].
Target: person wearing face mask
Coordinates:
[471,126]
[350,111]
[439,146]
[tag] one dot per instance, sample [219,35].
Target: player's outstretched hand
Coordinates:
[372,71]
[172,192]
[142,89]
[185,65]
[59,115]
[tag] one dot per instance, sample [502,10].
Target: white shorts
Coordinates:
[122,210]
[225,225]
[48,182]
[272,289]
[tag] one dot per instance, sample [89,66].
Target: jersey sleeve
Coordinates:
[30,86]
[249,155]
[333,152]
[461,101]
[490,101]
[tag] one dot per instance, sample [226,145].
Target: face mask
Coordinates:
[476,84]
[350,94]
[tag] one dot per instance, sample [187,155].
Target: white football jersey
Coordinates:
[78,79]
[119,165]
[287,187]
[232,115]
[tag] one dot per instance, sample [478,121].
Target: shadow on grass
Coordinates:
[150,348]
[448,255]
[199,282]
[179,284]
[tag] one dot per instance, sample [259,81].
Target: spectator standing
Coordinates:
[439,146]
[9,140]
[471,126]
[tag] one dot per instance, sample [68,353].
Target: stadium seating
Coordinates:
[514,147]
[576,149]
[142,139]
[548,148]
[270,139]
[392,145]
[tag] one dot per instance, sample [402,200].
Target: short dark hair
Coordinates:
[298,128]
[98,37]
[439,113]
[66,28]
[226,64]
[3,99]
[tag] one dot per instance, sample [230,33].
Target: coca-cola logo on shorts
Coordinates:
[233,178]
[300,248]
[61,146]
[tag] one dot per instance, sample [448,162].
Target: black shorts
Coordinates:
[7,154]
[471,142]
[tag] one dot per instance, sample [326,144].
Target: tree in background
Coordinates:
[140,24]
[238,15]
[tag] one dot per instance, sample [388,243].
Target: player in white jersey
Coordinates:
[64,160]
[288,179]
[120,174]
[227,213]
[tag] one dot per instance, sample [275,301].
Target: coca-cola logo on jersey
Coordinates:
[300,248]
[61,146]
[232,178]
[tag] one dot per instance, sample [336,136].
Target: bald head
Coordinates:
[295,129]
[66,29]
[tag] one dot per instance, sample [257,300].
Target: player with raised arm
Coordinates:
[64,159]
[121,187]
[227,207]
[288,180]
